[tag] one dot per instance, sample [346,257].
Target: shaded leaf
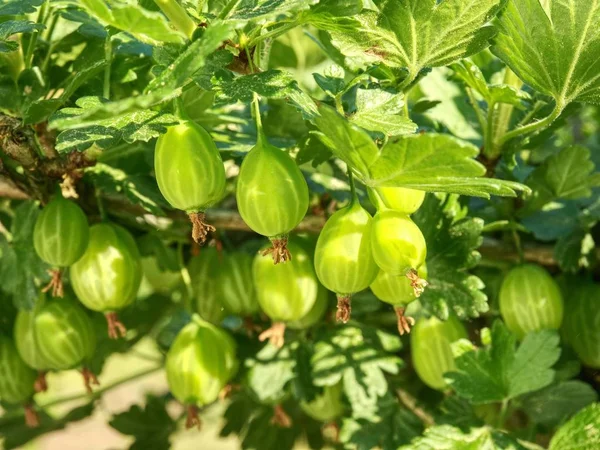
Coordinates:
[11,27]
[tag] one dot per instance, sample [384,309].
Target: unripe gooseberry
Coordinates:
[190,173]
[205,270]
[398,291]
[285,292]
[581,325]
[530,300]
[399,199]
[108,275]
[16,380]
[315,314]
[199,364]
[236,284]
[326,406]
[56,335]
[343,258]
[430,343]
[60,237]
[272,195]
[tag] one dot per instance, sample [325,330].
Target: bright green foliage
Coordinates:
[430,341]
[530,300]
[397,242]
[16,377]
[200,362]
[286,292]
[160,280]
[57,335]
[553,47]
[499,371]
[343,257]
[108,275]
[189,169]
[580,431]
[61,232]
[580,326]
[272,195]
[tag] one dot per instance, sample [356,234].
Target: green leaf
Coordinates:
[254,10]
[128,127]
[581,432]
[394,426]
[452,244]
[40,110]
[270,371]
[569,175]
[20,265]
[147,26]
[138,189]
[553,46]
[531,368]
[270,84]
[380,110]
[333,15]
[576,251]
[359,357]
[11,27]
[556,403]
[428,162]
[18,7]
[414,34]
[151,426]
[498,372]
[452,438]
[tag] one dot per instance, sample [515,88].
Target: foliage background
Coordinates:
[78,76]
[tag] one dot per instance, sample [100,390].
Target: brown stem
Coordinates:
[200,228]
[275,334]
[192,419]
[55,284]
[404,322]
[344,308]
[89,378]
[279,251]
[280,417]
[228,390]
[418,284]
[40,384]
[115,327]
[335,428]
[32,419]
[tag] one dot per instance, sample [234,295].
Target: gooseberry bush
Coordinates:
[361,224]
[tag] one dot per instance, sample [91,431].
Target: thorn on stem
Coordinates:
[32,419]
[280,417]
[89,378]
[40,384]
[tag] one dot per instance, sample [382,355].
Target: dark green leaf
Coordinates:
[575,251]
[11,27]
[151,426]
[359,357]
[451,250]
[556,403]
[18,7]
[270,84]
[254,10]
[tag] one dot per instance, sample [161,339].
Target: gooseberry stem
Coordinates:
[256,112]
[352,186]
